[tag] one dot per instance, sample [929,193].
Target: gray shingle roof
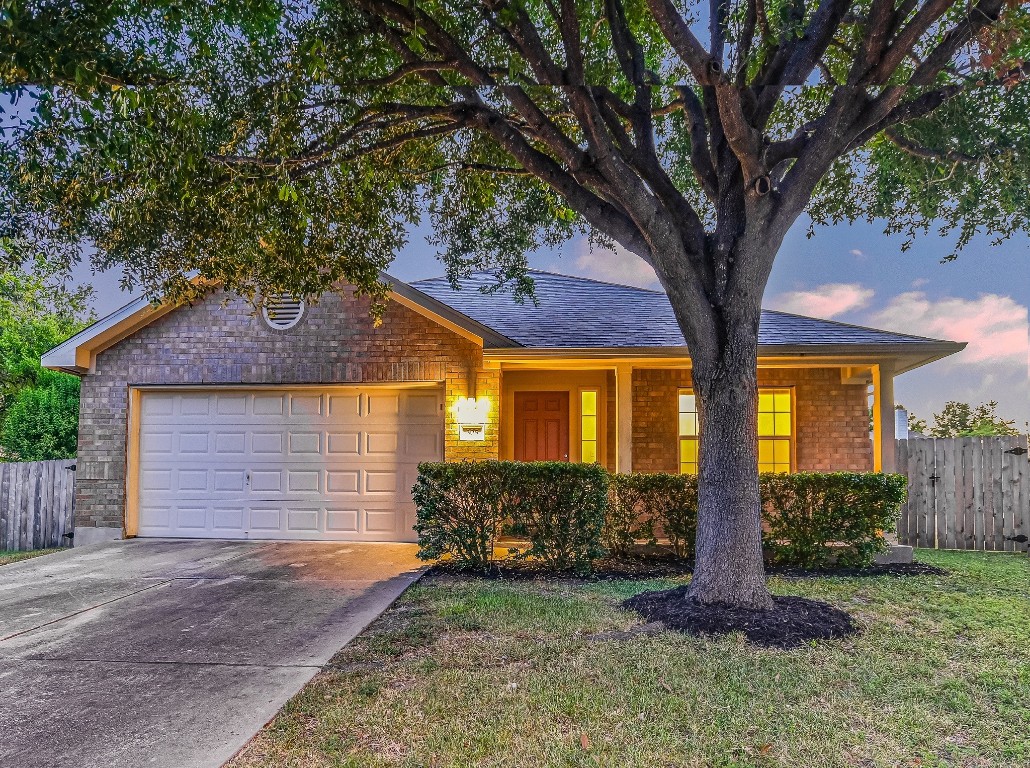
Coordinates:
[579,312]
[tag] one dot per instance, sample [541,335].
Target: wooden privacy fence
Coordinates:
[966,493]
[37,503]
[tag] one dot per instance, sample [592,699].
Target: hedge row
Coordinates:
[571,514]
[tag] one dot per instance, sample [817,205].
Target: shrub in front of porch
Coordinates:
[649,505]
[815,520]
[557,506]
[572,513]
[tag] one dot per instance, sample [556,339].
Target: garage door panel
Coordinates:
[343,406]
[267,443]
[341,521]
[305,442]
[231,405]
[269,405]
[383,405]
[343,481]
[230,443]
[227,518]
[345,443]
[380,443]
[336,464]
[303,520]
[305,405]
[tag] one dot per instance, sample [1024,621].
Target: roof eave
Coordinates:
[909,355]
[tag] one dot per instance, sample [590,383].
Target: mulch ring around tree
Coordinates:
[792,622]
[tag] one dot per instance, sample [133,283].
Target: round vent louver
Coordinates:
[283,311]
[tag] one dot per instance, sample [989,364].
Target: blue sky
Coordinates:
[853,274]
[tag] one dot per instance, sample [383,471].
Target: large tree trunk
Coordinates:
[728,565]
[723,343]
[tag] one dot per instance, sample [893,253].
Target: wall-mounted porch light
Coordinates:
[472,414]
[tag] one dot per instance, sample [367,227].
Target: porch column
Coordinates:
[624,418]
[883,418]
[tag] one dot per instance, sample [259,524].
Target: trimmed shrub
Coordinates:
[571,512]
[814,519]
[460,510]
[644,505]
[463,507]
[809,519]
[561,509]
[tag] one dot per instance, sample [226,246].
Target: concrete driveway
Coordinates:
[174,653]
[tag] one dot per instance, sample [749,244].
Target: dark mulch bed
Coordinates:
[791,623]
[893,569]
[605,569]
[641,568]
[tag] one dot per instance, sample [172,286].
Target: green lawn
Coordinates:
[7,556]
[463,672]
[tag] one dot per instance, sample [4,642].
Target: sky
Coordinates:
[853,274]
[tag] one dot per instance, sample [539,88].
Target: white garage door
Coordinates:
[334,464]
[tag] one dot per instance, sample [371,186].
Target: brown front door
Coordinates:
[541,426]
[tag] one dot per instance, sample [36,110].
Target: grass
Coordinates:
[7,556]
[463,672]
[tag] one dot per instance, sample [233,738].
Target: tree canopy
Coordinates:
[290,145]
[39,308]
[959,419]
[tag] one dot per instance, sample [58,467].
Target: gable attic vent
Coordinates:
[282,312]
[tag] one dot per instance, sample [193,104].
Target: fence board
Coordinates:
[966,493]
[36,504]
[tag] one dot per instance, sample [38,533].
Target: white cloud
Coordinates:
[824,301]
[857,252]
[996,327]
[919,282]
[618,266]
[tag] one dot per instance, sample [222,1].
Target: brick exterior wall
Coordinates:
[831,420]
[222,341]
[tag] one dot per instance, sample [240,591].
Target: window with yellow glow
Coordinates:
[588,426]
[689,433]
[775,427]
[775,431]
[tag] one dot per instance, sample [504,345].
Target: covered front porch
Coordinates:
[636,413]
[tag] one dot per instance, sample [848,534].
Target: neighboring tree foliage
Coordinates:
[285,146]
[38,408]
[964,420]
[42,422]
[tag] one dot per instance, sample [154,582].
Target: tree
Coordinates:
[273,147]
[39,309]
[963,420]
[43,421]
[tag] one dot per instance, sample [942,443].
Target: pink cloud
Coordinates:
[996,327]
[618,266]
[824,301]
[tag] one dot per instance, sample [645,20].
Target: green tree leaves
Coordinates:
[38,408]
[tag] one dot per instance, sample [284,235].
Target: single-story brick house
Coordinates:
[308,422]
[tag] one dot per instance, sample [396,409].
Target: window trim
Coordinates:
[597,416]
[791,439]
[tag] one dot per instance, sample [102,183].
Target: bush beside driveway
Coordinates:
[472,672]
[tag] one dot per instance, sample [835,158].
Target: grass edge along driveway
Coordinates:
[7,556]
[467,672]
